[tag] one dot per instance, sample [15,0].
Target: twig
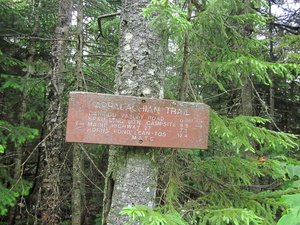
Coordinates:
[85,152]
[264,105]
[91,181]
[42,141]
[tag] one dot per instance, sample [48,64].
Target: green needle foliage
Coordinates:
[231,216]
[168,15]
[238,132]
[248,175]
[17,135]
[147,216]
[10,190]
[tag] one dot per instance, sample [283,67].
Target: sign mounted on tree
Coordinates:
[137,121]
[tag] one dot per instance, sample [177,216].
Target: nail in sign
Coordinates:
[137,121]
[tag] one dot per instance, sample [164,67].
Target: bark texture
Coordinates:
[184,68]
[247,95]
[78,191]
[272,59]
[131,180]
[132,172]
[247,89]
[50,192]
[141,63]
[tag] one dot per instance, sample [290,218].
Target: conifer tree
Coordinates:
[50,204]
[132,172]
[78,188]
[225,49]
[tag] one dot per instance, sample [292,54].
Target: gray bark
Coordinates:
[78,191]
[247,108]
[247,88]
[50,193]
[184,69]
[132,172]
[272,59]
[140,67]
[131,180]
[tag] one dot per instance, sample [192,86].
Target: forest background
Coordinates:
[238,56]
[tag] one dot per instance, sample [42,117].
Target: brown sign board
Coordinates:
[137,121]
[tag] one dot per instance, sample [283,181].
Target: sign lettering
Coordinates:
[138,121]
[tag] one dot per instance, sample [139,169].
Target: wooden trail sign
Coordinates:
[138,121]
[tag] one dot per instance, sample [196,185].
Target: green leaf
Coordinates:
[293,170]
[292,218]
[291,200]
[1,148]
[16,194]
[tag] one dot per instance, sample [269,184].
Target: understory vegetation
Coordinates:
[240,57]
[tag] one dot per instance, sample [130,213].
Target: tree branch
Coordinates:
[102,17]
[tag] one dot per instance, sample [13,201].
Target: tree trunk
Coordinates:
[247,108]
[184,72]
[247,88]
[51,199]
[79,49]
[272,59]
[132,173]
[78,192]
[247,105]
[78,180]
